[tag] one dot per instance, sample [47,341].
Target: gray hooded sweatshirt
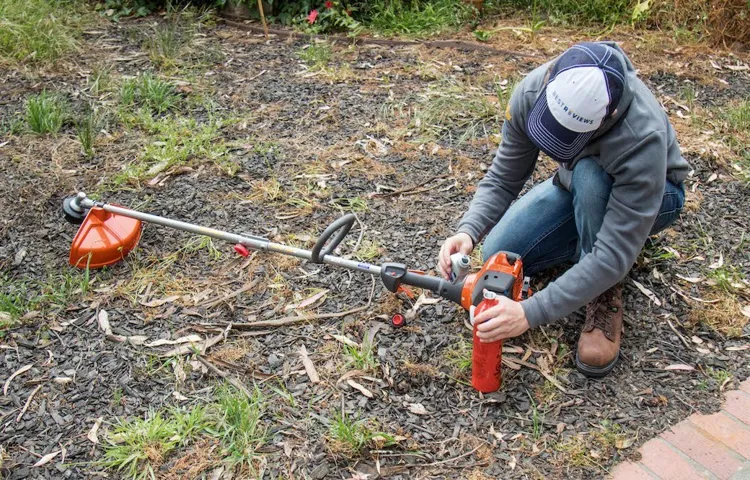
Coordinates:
[637,147]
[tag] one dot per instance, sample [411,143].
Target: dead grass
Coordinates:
[725,316]
[199,458]
[420,369]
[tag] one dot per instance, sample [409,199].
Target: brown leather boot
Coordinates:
[599,345]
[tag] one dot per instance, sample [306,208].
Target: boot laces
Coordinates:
[601,312]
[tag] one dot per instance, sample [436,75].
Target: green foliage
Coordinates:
[87,130]
[116,9]
[175,141]
[415,18]
[348,437]
[482,35]
[46,113]
[148,91]
[316,55]
[361,357]
[40,30]
[738,116]
[571,12]
[239,425]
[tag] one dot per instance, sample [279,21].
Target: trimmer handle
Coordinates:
[340,228]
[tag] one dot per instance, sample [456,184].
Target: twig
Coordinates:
[401,191]
[251,79]
[448,460]
[213,303]
[546,375]
[200,346]
[229,378]
[379,41]
[263,17]
[299,319]
[28,402]
[679,335]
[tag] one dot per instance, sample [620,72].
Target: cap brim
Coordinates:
[550,136]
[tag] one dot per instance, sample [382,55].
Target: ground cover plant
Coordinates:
[173,364]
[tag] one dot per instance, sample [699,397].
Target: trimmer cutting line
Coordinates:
[109,232]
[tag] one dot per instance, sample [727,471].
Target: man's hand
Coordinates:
[505,320]
[461,242]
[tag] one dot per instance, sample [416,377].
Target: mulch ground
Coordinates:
[325,136]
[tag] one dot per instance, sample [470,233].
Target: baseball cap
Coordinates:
[585,86]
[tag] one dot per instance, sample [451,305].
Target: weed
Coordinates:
[148,91]
[576,452]
[537,420]
[361,357]
[458,355]
[87,130]
[719,375]
[199,244]
[348,437]
[100,80]
[738,116]
[46,113]
[266,190]
[416,19]
[727,278]
[15,302]
[354,204]
[482,35]
[284,393]
[369,250]
[239,427]
[39,30]
[176,141]
[137,447]
[456,110]
[117,397]
[316,55]
[168,43]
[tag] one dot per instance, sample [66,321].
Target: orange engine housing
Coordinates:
[501,262]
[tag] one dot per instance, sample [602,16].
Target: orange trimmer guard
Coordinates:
[104,239]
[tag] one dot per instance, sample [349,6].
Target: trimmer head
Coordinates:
[103,239]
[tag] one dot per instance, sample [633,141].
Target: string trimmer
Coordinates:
[108,232]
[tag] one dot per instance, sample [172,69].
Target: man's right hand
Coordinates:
[461,242]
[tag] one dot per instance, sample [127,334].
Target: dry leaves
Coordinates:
[679,367]
[361,388]
[92,435]
[647,292]
[14,375]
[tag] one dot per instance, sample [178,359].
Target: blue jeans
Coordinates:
[550,225]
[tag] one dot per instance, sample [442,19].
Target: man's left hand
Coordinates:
[505,320]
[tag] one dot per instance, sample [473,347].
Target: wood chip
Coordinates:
[93,433]
[361,388]
[417,409]
[719,263]
[18,372]
[201,347]
[689,279]
[103,320]
[738,349]
[312,374]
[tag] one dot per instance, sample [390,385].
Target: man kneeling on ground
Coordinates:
[620,179]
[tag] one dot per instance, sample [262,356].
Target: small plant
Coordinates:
[168,43]
[316,55]
[361,357]
[331,16]
[348,437]
[537,420]
[198,244]
[46,113]
[100,79]
[87,130]
[148,91]
[239,426]
[727,278]
[719,375]
[369,250]
[416,19]
[458,355]
[482,35]
[738,117]
[354,204]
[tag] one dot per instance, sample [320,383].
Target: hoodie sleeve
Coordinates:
[512,165]
[639,179]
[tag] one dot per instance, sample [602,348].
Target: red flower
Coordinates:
[329,4]
[313,15]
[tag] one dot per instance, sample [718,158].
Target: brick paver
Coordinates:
[713,446]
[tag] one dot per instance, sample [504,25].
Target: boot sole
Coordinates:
[596,372]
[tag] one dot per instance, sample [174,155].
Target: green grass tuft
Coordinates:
[316,55]
[46,113]
[40,30]
[348,437]
[157,96]
[361,357]
[240,428]
[87,129]
[416,19]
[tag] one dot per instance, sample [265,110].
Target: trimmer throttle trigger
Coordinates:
[526,289]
